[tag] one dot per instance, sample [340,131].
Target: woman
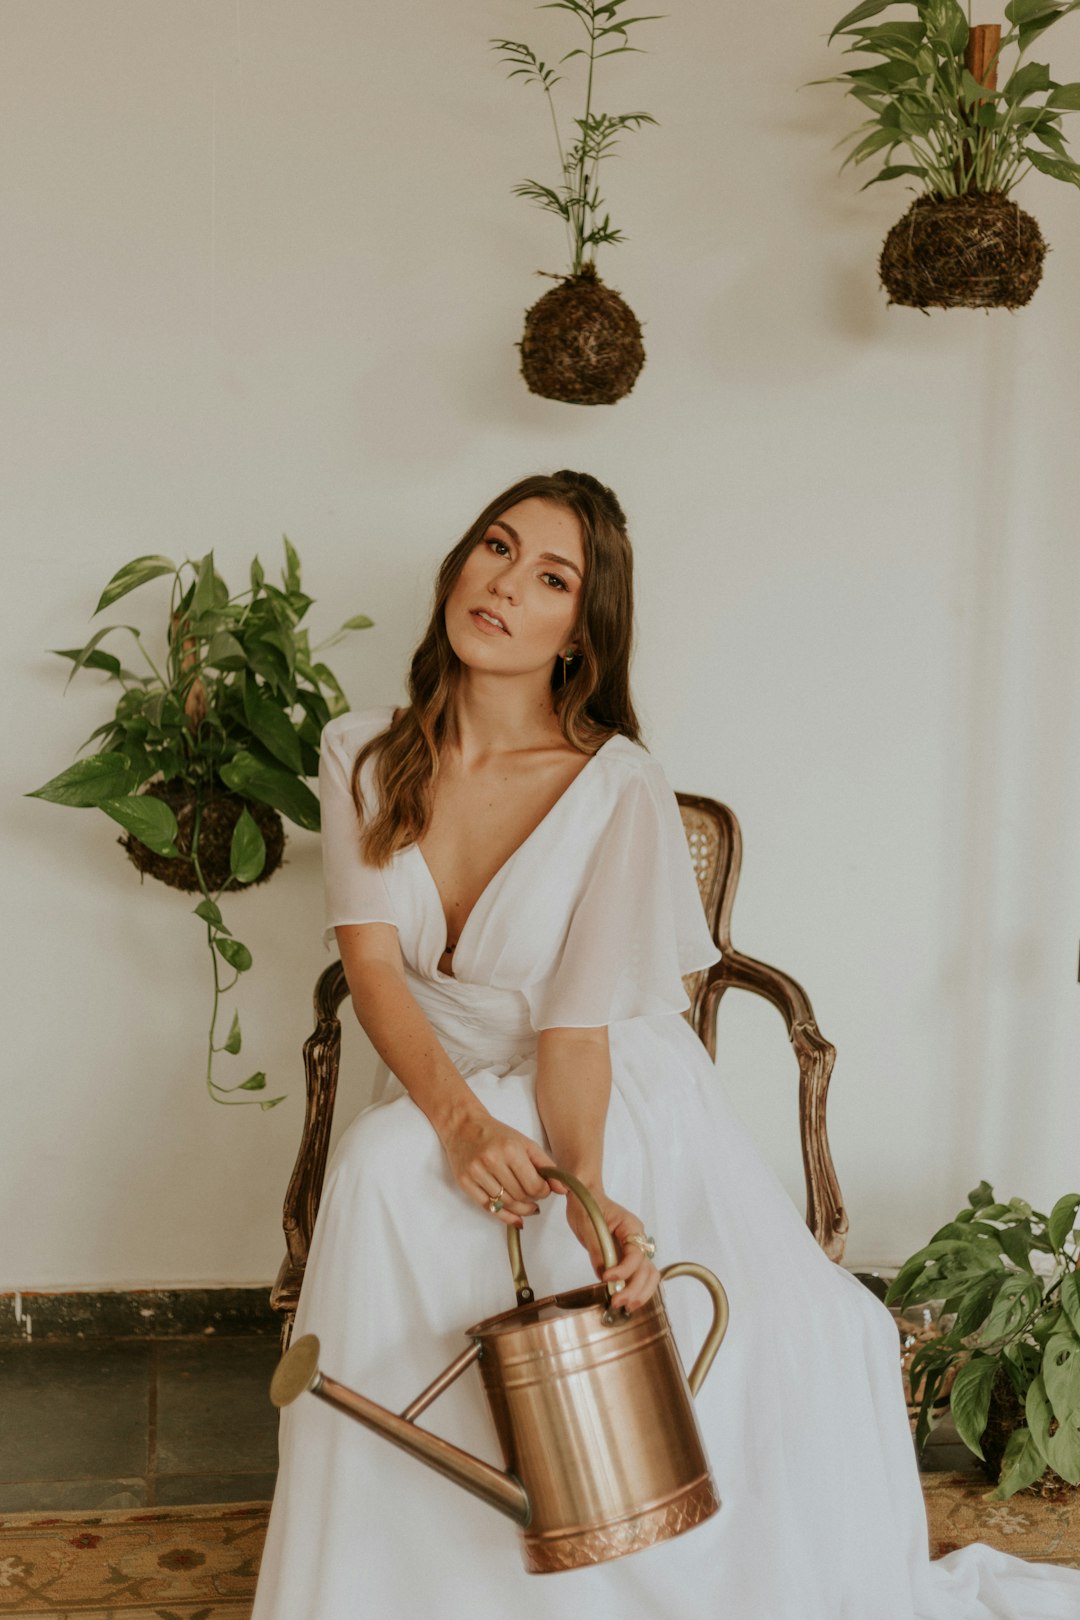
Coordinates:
[511,892]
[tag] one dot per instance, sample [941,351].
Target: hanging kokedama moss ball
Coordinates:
[219,816]
[582,343]
[978,251]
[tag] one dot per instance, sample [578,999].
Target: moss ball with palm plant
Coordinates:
[933,94]
[582,342]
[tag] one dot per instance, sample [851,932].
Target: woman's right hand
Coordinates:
[491,1160]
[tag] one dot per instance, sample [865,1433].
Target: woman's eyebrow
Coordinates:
[546,556]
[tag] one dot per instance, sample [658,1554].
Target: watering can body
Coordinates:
[595,1417]
[594,1413]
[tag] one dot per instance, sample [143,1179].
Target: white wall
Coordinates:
[263,273]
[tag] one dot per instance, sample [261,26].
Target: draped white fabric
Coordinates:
[594,920]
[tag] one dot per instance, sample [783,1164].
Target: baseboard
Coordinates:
[136,1313]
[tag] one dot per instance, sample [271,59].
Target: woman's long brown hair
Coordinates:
[592,704]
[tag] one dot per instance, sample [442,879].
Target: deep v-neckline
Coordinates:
[498,873]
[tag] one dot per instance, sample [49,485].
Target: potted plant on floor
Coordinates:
[933,93]
[208,750]
[582,343]
[1010,1275]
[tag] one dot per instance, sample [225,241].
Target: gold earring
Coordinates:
[567,658]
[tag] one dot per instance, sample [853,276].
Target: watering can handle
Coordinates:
[608,1250]
[714,1337]
[681,1268]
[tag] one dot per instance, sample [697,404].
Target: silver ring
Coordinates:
[642,1241]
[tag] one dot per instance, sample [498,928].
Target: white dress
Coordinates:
[593,920]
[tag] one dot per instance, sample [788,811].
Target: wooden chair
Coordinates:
[715,841]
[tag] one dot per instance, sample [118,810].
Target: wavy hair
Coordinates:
[592,704]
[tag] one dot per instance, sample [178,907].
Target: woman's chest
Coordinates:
[480,819]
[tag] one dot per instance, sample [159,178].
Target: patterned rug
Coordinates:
[201,1563]
[960,1508]
[159,1564]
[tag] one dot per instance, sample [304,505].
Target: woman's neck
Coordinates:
[499,716]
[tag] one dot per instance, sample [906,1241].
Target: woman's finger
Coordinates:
[510,1212]
[533,1185]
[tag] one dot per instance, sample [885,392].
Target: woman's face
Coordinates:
[527,571]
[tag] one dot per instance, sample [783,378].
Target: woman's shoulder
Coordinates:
[630,763]
[348,732]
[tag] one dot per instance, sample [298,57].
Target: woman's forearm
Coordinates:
[573,1087]
[401,1034]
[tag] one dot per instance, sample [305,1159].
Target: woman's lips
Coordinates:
[486,625]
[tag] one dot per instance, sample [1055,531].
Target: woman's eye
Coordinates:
[561,583]
[492,541]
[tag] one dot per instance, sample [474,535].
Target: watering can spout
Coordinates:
[298,1372]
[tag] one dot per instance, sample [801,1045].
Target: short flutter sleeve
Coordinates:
[354,891]
[638,924]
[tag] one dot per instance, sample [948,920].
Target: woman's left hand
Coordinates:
[641,1277]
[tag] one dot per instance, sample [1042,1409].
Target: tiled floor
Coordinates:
[136,1423]
[148,1423]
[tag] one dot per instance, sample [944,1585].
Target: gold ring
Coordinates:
[495,1204]
[642,1241]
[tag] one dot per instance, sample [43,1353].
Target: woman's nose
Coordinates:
[505,581]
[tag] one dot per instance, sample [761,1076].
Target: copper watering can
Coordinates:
[592,1407]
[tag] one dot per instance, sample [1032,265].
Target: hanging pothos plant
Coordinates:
[208,750]
[933,94]
[582,343]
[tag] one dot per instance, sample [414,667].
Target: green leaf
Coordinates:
[96,660]
[360,621]
[1021,1465]
[232,1044]
[1062,1218]
[133,574]
[1057,168]
[257,575]
[149,820]
[83,657]
[893,171]
[1025,11]
[950,25]
[1015,1241]
[203,599]
[208,911]
[1017,1297]
[872,143]
[328,679]
[89,782]
[1061,1374]
[981,1195]
[868,8]
[976,1303]
[271,725]
[254,1082]
[225,652]
[247,851]
[1028,80]
[272,1103]
[238,956]
[274,786]
[292,566]
[1062,1448]
[969,1400]
[1065,95]
[1070,1299]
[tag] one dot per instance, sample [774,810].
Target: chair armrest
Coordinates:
[322,1056]
[825,1213]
